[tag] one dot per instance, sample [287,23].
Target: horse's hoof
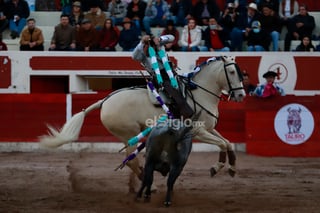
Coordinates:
[232,172]
[147,198]
[167,203]
[154,189]
[213,172]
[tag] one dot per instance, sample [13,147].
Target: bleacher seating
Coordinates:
[46,20]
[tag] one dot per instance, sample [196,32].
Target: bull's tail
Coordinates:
[70,131]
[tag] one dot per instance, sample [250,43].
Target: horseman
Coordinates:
[151,53]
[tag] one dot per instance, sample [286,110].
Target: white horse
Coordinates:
[125,112]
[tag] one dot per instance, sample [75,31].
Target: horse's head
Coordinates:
[233,78]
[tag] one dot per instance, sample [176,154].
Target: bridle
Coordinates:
[230,92]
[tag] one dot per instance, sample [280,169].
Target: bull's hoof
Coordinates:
[231,172]
[167,203]
[213,172]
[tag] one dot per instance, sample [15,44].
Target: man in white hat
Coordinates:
[243,26]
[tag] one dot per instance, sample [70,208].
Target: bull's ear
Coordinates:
[289,109]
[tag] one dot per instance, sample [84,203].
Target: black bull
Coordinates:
[167,150]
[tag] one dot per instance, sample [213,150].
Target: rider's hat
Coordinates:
[270,74]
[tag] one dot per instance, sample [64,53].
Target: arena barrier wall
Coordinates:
[261,124]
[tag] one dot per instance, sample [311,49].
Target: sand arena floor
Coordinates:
[86,182]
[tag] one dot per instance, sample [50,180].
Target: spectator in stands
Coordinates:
[135,12]
[271,23]
[3,18]
[204,9]
[305,45]
[214,37]
[64,36]
[269,88]
[86,4]
[87,36]
[66,6]
[300,25]
[242,26]
[273,5]
[228,19]
[96,15]
[191,36]
[17,12]
[109,36]
[117,10]
[45,5]
[129,36]
[3,46]
[247,85]
[31,37]
[258,39]
[77,15]
[157,13]
[181,11]
[287,9]
[170,29]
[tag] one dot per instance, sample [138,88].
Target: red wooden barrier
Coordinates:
[267,131]
[24,117]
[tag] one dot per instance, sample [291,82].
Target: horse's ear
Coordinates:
[227,58]
[223,57]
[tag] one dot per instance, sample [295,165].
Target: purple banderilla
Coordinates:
[143,144]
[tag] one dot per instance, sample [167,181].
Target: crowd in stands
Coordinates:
[206,25]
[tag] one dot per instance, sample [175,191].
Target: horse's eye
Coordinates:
[232,72]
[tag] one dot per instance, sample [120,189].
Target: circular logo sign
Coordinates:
[294,124]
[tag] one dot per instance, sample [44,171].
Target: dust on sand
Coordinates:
[86,182]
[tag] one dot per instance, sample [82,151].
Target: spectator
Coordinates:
[258,38]
[300,25]
[66,6]
[135,12]
[181,11]
[247,85]
[214,38]
[77,15]
[3,18]
[31,37]
[242,27]
[86,4]
[17,12]
[64,37]
[129,36]
[96,15]
[117,10]
[269,88]
[156,14]
[273,5]
[287,9]
[271,23]
[109,36]
[3,46]
[204,9]
[170,29]
[191,36]
[45,5]
[87,36]
[305,45]
[228,19]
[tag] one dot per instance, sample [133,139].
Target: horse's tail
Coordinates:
[70,130]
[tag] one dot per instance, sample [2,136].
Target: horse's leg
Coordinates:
[207,137]
[230,152]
